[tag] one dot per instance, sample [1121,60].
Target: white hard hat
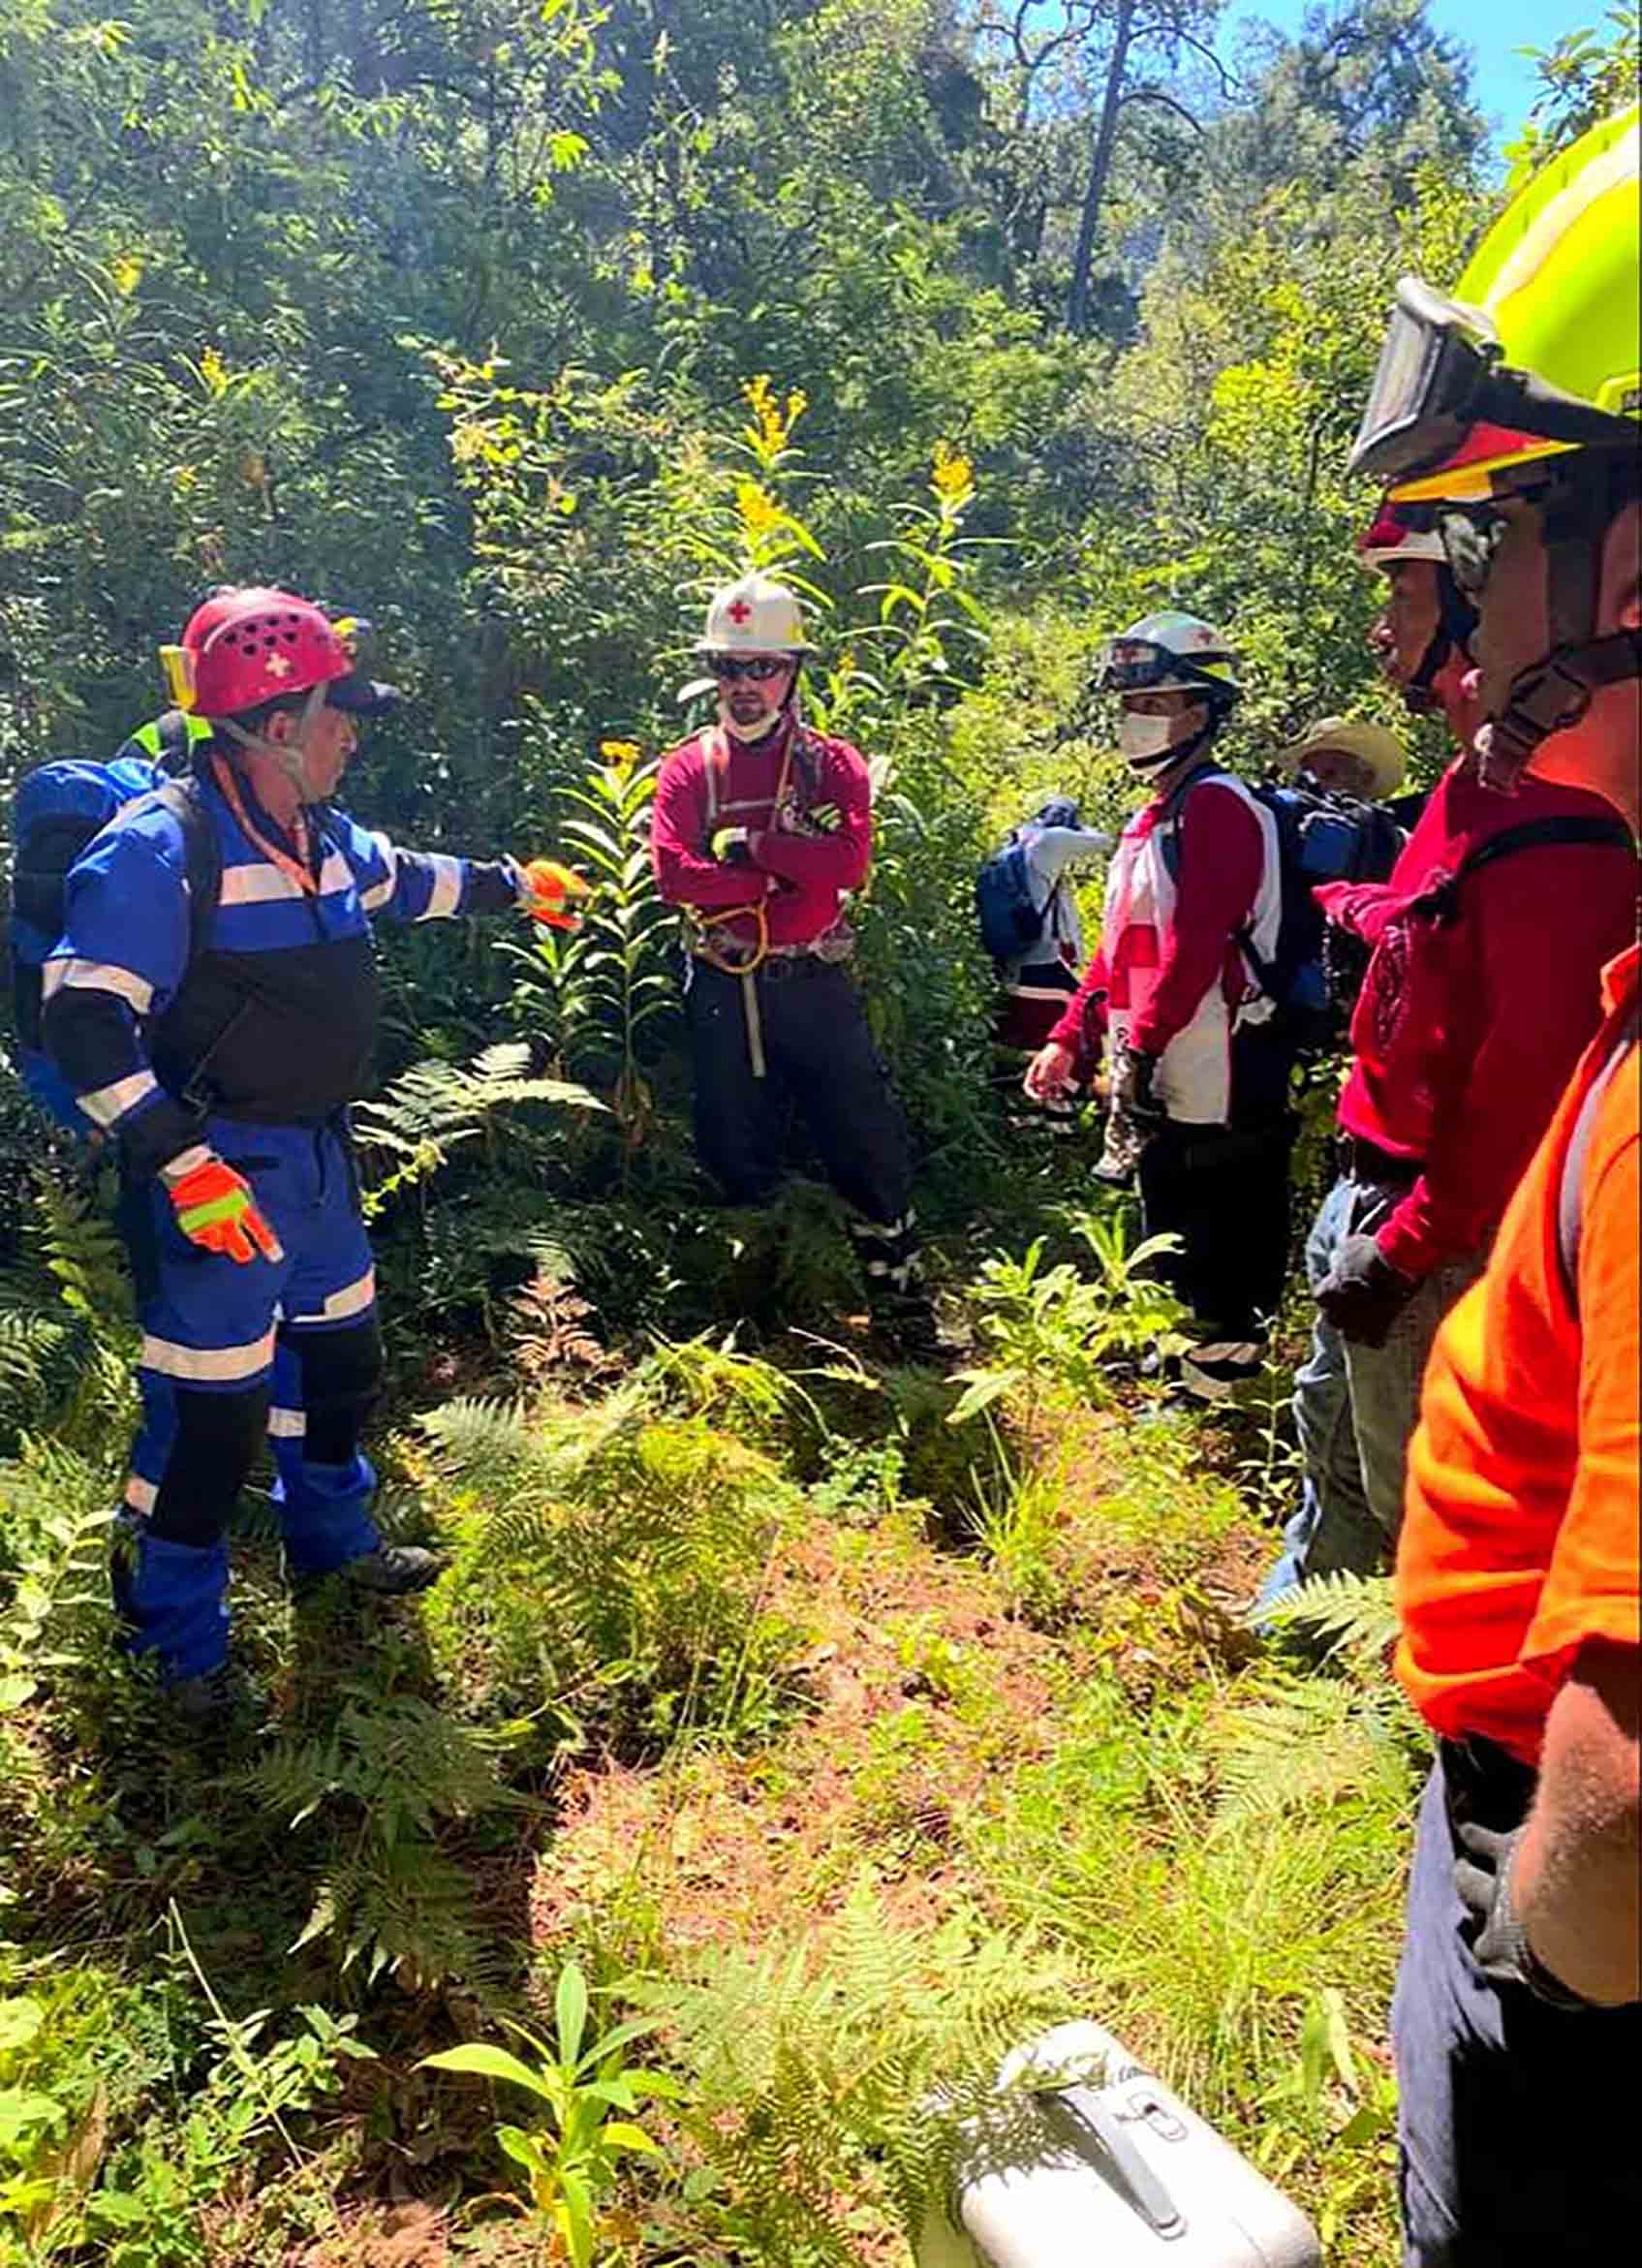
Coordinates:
[754,615]
[1170,652]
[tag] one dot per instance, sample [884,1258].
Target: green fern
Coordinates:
[1312,1744]
[617,1551]
[55,1515]
[434,1105]
[376,1788]
[845,2062]
[1354,1615]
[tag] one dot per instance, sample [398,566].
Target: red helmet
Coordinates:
[246,648]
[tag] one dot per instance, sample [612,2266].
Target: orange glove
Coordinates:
[215,1209]
[545,888]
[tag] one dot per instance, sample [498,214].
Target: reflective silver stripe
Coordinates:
[209,1365]
[288,1425]
[352,1299]
[260,882]
[867,1231]
[379,892]
[177,1169]
[97,976]
[446,892]
[139,1494]
[105,1104]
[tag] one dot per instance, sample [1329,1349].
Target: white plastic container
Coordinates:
[1103,2167]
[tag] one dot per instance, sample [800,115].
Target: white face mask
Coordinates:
[1147,743]
[757,730]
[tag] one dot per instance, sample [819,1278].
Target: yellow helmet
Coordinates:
[1535,354]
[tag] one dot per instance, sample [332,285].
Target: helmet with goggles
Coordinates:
[1525,386]
[1170,652]
[1535,354]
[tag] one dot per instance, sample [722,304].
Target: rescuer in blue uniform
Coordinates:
[222,1067]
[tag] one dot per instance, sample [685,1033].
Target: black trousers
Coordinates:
[1224,1190]
[820,1061]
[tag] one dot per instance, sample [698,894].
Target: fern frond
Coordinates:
[1357,1614]
[1314,1743]
[817,2064]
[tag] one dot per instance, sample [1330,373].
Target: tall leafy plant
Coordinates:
[609,979]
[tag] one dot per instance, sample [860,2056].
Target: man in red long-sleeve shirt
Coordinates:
[761,827]
[1481,990]
[1199,1065]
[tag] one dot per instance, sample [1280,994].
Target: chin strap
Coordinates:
[1551,695]
[289,753]
[1180,751]
[1555,692]
[1456,625]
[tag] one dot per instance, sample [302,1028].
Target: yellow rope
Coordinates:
[716,956]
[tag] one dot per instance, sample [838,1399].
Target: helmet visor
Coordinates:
[1441,377]
[1136,665]
[1436,355]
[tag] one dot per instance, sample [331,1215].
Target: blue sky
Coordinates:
[1494,31]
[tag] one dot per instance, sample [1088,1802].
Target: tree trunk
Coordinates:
[1100,167]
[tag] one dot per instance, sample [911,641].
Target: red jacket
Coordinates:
[1221,853]
[1465,1035]
[796,871]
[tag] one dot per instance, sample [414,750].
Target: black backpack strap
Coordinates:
[1442,900]
[204,865]
[202,857]
[176,741]
[1264,972]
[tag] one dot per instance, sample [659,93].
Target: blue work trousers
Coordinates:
[230,1352]
[1516,2121]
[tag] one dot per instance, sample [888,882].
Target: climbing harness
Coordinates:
[723,956]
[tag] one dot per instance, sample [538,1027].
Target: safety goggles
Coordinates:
[1442,373]
[761,667]
[1134,665]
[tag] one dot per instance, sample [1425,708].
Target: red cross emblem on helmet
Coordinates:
[739,612]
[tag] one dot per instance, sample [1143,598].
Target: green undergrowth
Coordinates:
[844,1733]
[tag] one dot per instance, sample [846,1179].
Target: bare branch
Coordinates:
[1156,94]
[1172,30]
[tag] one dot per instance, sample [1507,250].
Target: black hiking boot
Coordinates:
[905,1330]
[207,1704]
[394,1571]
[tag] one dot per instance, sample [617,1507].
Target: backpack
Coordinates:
[58,809]
[1322,836]
[1009,921]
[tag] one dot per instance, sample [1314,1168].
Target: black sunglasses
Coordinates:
[727,668]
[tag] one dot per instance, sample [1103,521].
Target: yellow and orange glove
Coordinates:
[545,890]
[216,1210]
